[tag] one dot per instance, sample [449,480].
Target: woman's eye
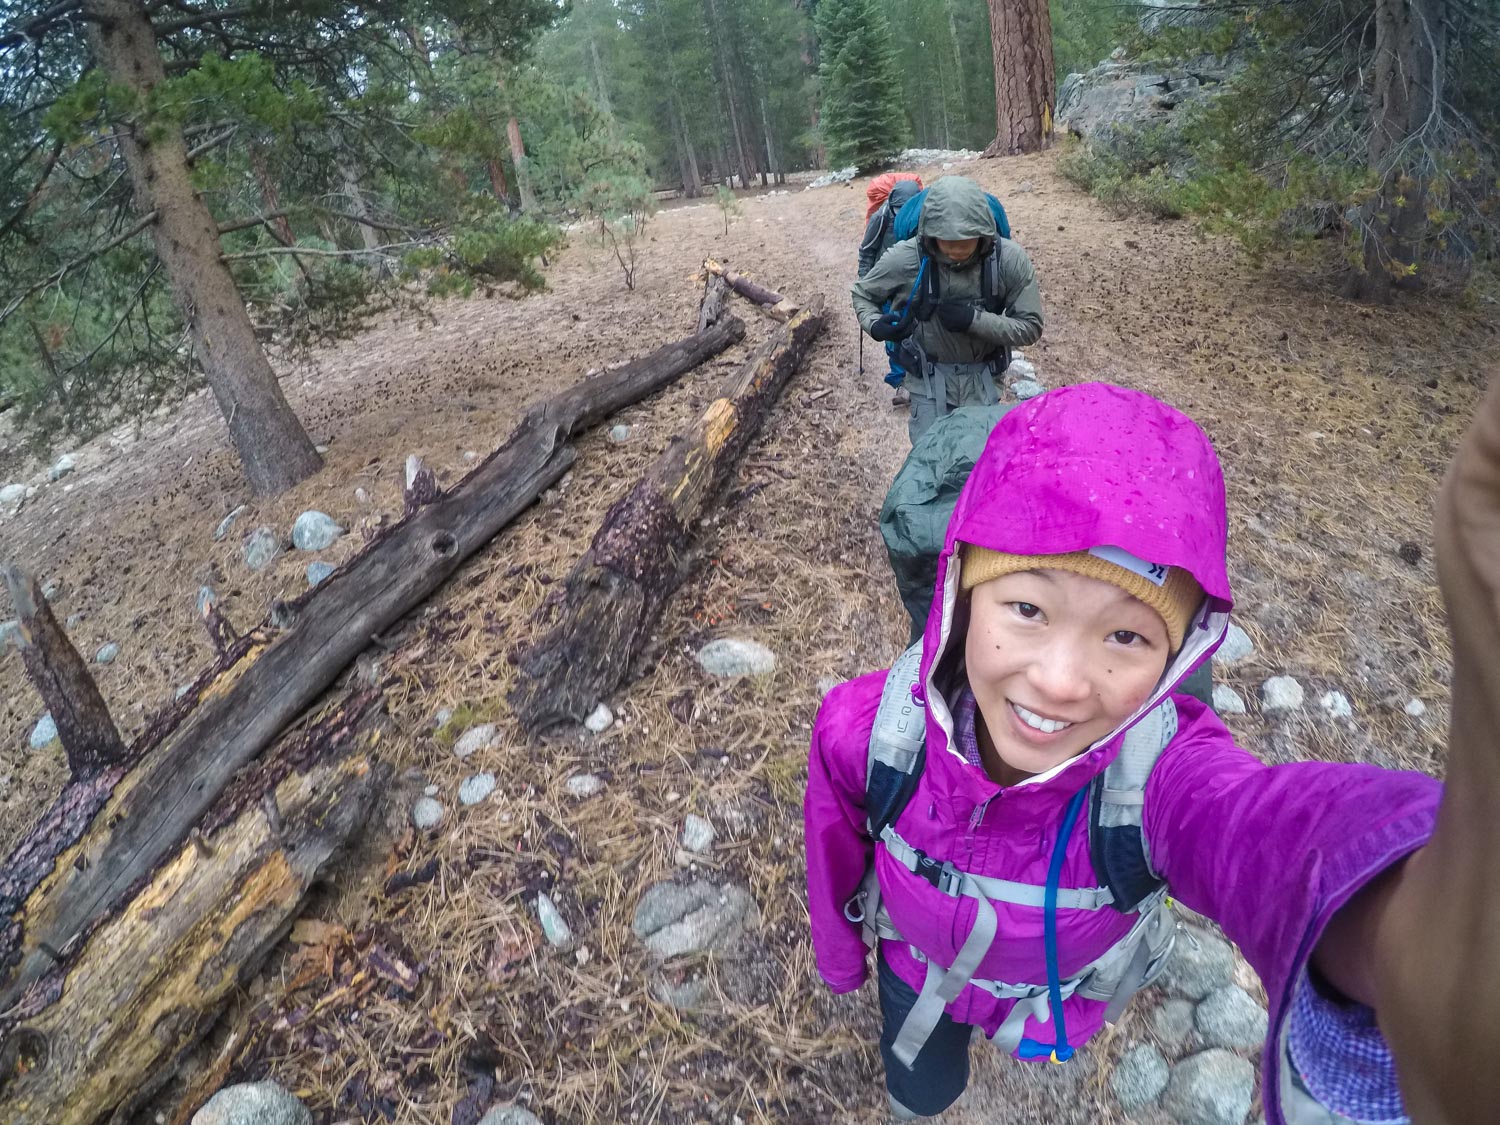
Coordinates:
[1027,610]
[1126,637]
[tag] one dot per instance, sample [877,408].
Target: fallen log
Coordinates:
[95,1035]
[615,593]
[715,298]
[107,836]
[774,304]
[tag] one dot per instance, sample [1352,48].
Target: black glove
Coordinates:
[955,316]
[889,327]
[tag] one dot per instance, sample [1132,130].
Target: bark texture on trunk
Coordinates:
[272,445]
[638,558]
[1025,75]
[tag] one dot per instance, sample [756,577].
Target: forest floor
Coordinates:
[1334,422]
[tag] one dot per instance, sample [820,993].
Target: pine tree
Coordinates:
[863,120]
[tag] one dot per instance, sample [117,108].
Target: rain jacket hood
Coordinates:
[956,209]
[901,192]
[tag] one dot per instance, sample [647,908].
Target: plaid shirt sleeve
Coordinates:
[1340,1058]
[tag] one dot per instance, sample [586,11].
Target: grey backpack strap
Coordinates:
[1117,837]
[897,744]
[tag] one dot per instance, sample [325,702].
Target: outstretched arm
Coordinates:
[1422,944]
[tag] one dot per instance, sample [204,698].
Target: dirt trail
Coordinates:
[1334,423]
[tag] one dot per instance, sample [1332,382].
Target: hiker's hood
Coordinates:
[1079,468]
[901,192]
[955,209]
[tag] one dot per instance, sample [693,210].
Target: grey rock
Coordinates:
[688,994]
[1281,695]
[1336,705]
[1026,388]
[261,547]
[62,467]
[73,620]
[1148,84]
[205,600]
[431,790]
[733,657]
[1021,369]
[227,522]
[1172,1023]
[182,689]
[620,433]
[257,1103]
[315,531]
[1201,963]
[441,717]
[44,732]
[12,496]
[470,456]
[1416,708]
[842,176]
[510,1115]
[474,789]
[827,684]
[318,571]
[583,785]
[475,738]
[107,653]
[426,813]
[1237,646]
[1227,701]
[1230,1017]
[1214,1087]
[600,719]
[10,635]
[558,932]
[697,834]
[674,918]
[1139,1078]
[361,496]
[51,590]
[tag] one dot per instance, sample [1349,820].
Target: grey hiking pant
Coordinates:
[938,388]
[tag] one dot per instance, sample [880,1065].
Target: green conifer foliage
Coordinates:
[863,121]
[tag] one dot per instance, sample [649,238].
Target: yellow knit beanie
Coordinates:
[1175,598]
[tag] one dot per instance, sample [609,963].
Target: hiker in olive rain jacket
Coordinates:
[962,298]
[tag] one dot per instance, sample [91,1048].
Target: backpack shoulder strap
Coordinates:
[898,744]
[991,292]
[1117,838]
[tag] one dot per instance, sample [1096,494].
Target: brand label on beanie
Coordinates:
[1154,573]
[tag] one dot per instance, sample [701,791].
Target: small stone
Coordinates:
[320,449]
[697,834]
[1021,369]
[430,790]
[600,719]
[361,496]
[51,590]
[475,738]
[107,653]
[74,620]
[261,546]
[1237,646]
[318,571]
[474,789]
[1201,963]
[1214,1087]
[674,919]
[1416,708]
[258,1103]
[315,531]
[1227,701]
[44,732]
[510,1115]
[182,689]
[426,813]
[558,932]
[1230,1017]
[10,635]
[620,433]
[441,717]
[61,467]
[227,522]
[1025,186]
[1139,1078]
[1026,388]
[12,496]
[205,600]
[1173,1023]
[1281,695]
[582,785]
[733,657]
[1336,705]
[470,456]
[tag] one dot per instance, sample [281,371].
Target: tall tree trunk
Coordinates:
[273,448]
[358,207]
[599,84]
[1411,43]
[270,198]
[497,180]
[958,67]
[1025,75]
[518,158]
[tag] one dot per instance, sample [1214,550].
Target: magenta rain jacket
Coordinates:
[1269,852]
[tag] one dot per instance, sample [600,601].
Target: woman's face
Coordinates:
[1056,661]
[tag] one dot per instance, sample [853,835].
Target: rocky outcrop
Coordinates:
[1124,94]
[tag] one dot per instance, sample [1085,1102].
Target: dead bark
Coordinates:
[221,633]
[277,222]
[62,679]
[1025,75]
[774,304]
[638,556]
[272,446]
[715,299]
[103,838]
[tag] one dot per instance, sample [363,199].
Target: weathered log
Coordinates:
[221,633]
[106,838]
[62,679]
[110,1019]
[774,304]
[615,593]
[715,298]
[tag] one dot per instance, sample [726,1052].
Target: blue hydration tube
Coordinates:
[1060,1051]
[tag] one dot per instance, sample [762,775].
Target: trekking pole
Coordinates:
[861,333]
